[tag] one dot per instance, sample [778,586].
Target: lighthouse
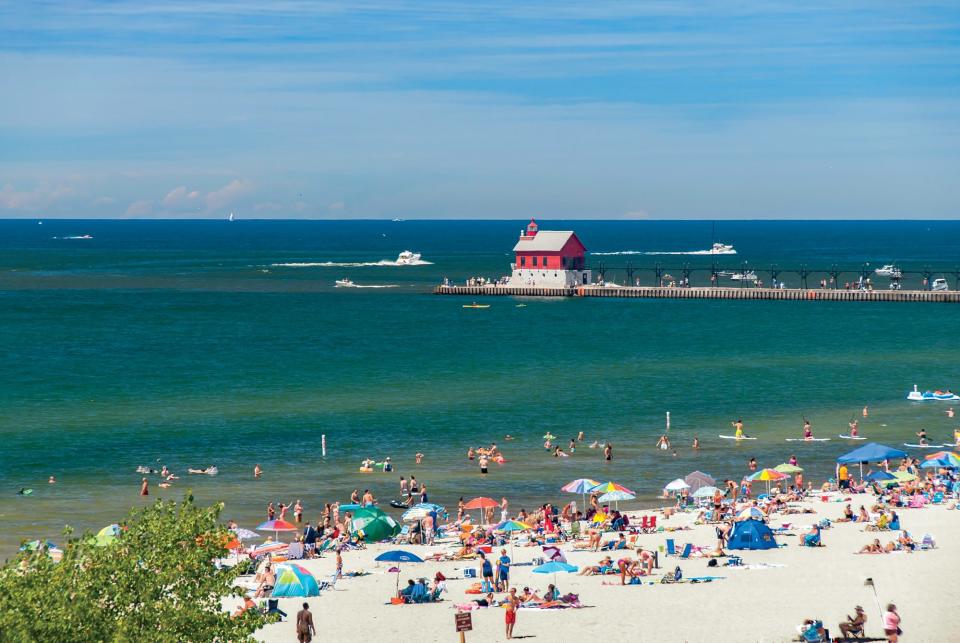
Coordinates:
[549,258]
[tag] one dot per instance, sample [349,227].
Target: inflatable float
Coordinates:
[944,396]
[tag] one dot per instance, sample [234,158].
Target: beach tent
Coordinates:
[373,525]
[294,580]
[879,476]
[751,534]
[699,479]
[872,452]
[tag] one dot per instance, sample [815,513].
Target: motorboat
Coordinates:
[721,249]
[345,283]
[889,270]
[744,276]
[916,396]
[939,285]
[407,258]
[476,305]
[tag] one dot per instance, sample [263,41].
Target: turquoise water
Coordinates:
[182,343]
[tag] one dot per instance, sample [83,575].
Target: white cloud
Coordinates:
[179,198]
[104,200]
[13,199]
[141,208]
[227,194]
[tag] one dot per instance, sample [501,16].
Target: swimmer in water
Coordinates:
[594,444]
[865,412]
[52,480]
[548,444]
[663,442]
[508,437]
[752,464]
[558,453]
[418,458]
[696,442]
[580,437]
[470,453]
[257,471]
[144,487]
[572,446]
[950,412]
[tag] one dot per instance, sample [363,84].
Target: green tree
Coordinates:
[155,582]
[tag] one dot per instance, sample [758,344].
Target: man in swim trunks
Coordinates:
[738,426]
[483,464]
[608,452]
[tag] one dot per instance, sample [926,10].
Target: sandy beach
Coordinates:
[763,603]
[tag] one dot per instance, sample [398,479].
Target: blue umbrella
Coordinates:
[879,476]
[553,567]
[350,507]
[420,511]
[938,463]
[398,556]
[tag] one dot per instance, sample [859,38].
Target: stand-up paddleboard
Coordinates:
[851,437]
[923,446]
[807,439]
[733,437]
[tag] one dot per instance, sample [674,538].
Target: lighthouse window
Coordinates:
[544,262]
[523,261]
[534,261]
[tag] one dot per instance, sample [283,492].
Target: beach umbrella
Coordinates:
[398,556]
[939,463]
[767,475]
[616,496]
[294,580]
[511,526]
[350,507]
[276,526]
[788,468]
[752,513]
[373,525]
[481,503]
[952,460]
[871,452]
[704,492]
[107,535]
[421,511]
[879,476]
[941,454]
[677,485]
[900,477]
[271,547]
[245,534]
[555,567]
[607,487]
[581,486]
[34,545]
[699,479]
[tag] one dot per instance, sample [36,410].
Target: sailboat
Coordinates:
[230,218]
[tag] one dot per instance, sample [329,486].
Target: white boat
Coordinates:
[744,276]
[916,396]
[939,285]
[345,283]
[230,218]
[721,249]
[407,258]
[889,270]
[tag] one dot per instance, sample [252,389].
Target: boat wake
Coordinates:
[406,258]
[663,252]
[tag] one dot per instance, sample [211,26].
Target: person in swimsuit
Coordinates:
[807,430]
[580,436]
[144,488]
[608,452]
[418,458]
[854,431]
[923,436]
[470,453]
[305,628]
[866,412]
[271,512]
[269,580]
[257,471]
[738,429]
[950,412]
[510,616]
[298,511]
[663,442]
[696,442]
[752,464]
[414,486]
[483,464]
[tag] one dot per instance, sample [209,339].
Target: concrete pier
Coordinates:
[705,292]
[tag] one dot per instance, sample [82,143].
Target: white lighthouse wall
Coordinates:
[550,278]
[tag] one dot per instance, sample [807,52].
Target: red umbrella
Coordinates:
[481,503]
[277,526]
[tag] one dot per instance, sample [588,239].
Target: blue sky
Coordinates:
[464,109]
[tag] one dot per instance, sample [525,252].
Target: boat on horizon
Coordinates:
[407,258]
[344,283]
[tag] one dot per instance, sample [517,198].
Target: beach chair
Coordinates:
[937,498]
[644,523]
[652,527]
[671,547]
[928,542]
[273,607]
[686,551]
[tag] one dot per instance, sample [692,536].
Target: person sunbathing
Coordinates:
[465,552]
[528,597]
[863,516]
[604,567]
[847,514]
[486,601]
[906,542]
[873,548]
[619,544]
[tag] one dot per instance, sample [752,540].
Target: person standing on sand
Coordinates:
[891,624]
[257,471]
[144,488]
[510,616]
[305,629]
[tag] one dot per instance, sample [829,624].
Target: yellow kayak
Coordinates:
[476,305]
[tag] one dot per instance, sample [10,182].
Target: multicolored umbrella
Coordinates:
[420,511]
[276,526]
[607,487]
[294,580]
[512,525]
[767,475]
[581,486]
[941,454]
[752,513]
[245,534]
[270,548]
[941,463]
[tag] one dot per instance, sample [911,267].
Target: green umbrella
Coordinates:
[373,525]
[788,468]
